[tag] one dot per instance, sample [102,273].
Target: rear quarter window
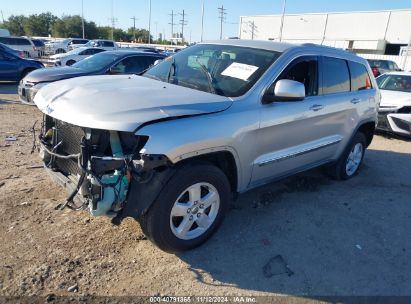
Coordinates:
[360,79]
[336,77]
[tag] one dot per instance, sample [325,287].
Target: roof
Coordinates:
[283,46]
[403,73]
[257,44]
[131,52]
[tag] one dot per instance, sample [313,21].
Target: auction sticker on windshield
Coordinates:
[240,70]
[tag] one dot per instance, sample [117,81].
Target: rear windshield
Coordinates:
[38,42]
[96,62]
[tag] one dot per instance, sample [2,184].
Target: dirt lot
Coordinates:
[338,238]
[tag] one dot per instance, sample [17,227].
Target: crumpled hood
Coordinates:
[395,98]
[123,102]
[54,74]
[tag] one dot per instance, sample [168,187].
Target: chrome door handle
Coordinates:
[316,107]
[355,100]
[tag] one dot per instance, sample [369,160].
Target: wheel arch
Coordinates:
[222,159]
[368,129]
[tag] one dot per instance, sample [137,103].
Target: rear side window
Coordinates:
[360,79]
[108,44]
[336,78]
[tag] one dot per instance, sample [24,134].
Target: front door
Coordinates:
[295,135]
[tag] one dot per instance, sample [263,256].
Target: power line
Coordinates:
[222,13]
[183,22]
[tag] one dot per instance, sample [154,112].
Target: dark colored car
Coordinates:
[379,66]
[110,62]
[5,48]
[39,46]
[13,67]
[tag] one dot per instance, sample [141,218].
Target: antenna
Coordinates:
[222,12]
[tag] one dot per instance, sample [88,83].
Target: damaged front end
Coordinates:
[396,119]
[97,167]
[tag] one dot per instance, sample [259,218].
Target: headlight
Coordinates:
[33,90]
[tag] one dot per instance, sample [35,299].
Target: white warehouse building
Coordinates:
[376,32]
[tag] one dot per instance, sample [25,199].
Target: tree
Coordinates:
[15,24]
[39,25]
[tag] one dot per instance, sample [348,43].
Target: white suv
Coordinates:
[21,44]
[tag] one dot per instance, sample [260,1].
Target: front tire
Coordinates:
[189,209]
[349,163]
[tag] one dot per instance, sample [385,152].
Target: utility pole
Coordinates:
[149,25]
[183,22]
[112,20]
[253,29]
[172,25]
[82,16]
[156,36]
[282,20]
[202,21]
[222,12]
[134,27]
[2,16]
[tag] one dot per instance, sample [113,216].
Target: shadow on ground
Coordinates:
[310,236]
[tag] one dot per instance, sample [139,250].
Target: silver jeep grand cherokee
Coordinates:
[170,147]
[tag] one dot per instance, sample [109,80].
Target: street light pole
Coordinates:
[82,16]
[202,22]
[149,26]
[282,20]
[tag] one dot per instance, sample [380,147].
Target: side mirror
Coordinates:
[286,90]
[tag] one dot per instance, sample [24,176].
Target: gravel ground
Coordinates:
[305,236]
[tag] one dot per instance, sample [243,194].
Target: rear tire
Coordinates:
[189,209]
[348,165]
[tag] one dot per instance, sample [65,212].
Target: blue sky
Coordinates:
[100,11]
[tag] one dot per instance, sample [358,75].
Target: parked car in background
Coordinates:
[379,66]
[394,114]
[76,43]
[61,46]
[18,53]
[4,33]
[22,44]
[170,148]
[74,56]
[108,45]
[39,46]
[13,67]
[108,62]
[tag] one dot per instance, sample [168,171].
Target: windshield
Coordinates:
[96,62]
[219,69]
[394,82]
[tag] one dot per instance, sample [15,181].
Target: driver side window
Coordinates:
[304,70]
